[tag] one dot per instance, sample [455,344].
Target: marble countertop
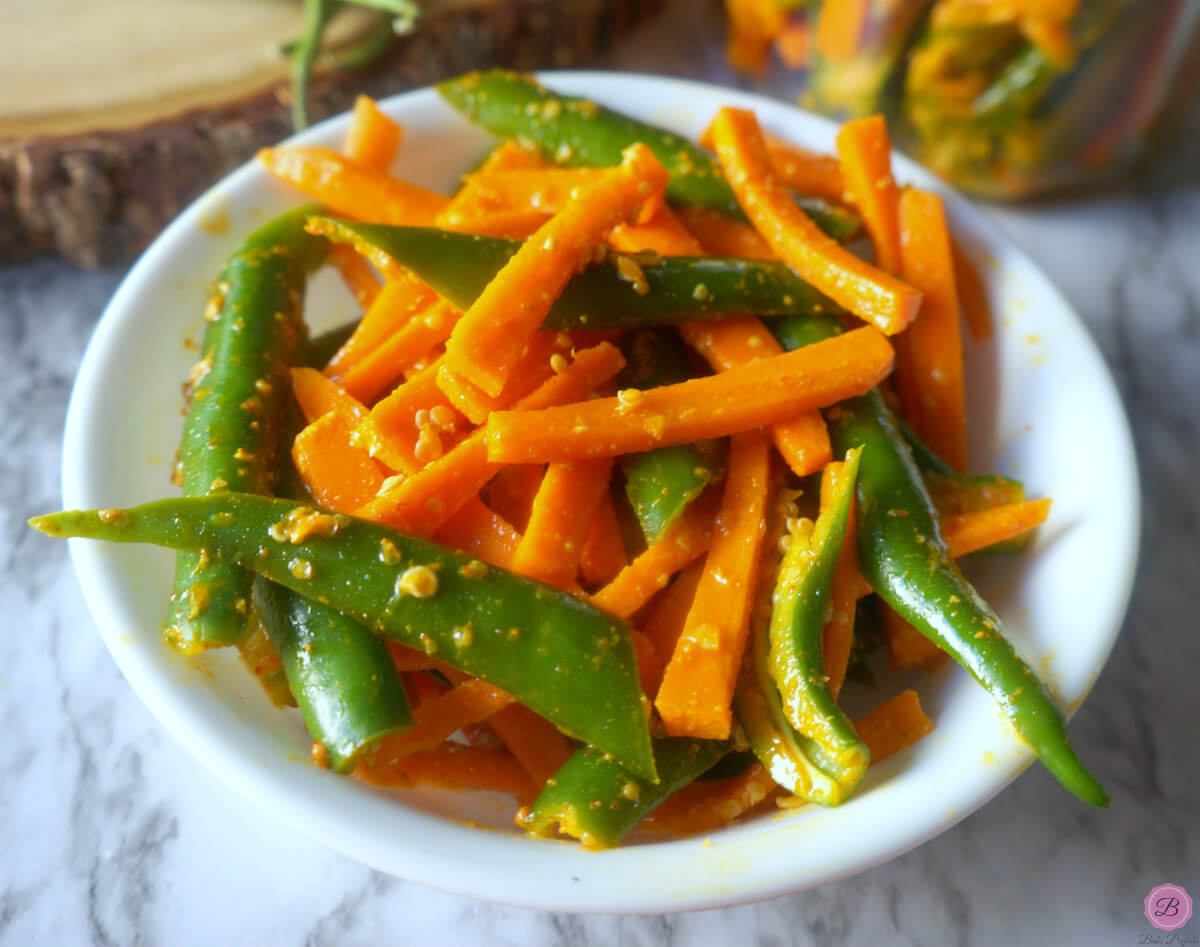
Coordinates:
[113,834]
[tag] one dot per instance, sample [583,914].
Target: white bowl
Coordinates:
[1043,408]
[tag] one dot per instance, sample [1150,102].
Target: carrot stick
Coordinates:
[350,189]
[865,290]
[560,519]
[510,224]
[510,493]
[472,199]
[455,766]
[475,529]
[372,138]
[803,440]
[971,294]
[722,236]
[705,806]
[488,340]
[391,309]
[340,476]
[422,331]
[729,343]
[838,634]
[424,500]
[684,541]
[666,619]
[753,24]
[894,725]
[907,648]
[840,26]
[929,369]
[435,720]
[697,686]
[355,273]
[604,554]
[759,393]
[409,659]
[865,152]
[544,352]
[317,395]
[970,532]
[533,740]
[807,172]
[412,426]
[792,43]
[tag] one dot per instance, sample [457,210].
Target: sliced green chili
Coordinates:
[677,289]
[563,658]
[232,430]
[596,799]
[342,676]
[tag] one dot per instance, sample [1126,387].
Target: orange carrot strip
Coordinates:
[533,740]
[729,343]
[539,190]
[722,236]
[392,308]
[791,45]
[420,333]
[929,370]
[355,273]
[409,659]
[839,27]
[604,554]
[970,532]
[372,138]
[560,519]
[472,199]
[697,686]
[865,152]
[454,766]
[317,395]
[749,396]
[667,616]
[340,476]
[807,172]
[907,648]
[510,224]
[434,720]
[865,290]
[894,725]
[803,440]
[412,426]
[684,541]
[705,806]
[424,500]
[350,189]
[753,24]
[510,493]
[971,294]
[838,634]
[536,364]
[475,529]
[488,340]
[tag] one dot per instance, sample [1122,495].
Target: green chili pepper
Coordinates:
[561,657]
[458,266]
[661,483]
[903,557]
[232,430]
[342,676]
[793,724]
[596,799]
[794,658]
[580,133]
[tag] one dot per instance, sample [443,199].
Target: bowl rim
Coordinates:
[488,865]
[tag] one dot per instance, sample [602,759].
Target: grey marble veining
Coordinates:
[113,835]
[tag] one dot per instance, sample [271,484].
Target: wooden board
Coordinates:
[114,115]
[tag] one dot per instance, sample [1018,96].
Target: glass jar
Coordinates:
[1004,98]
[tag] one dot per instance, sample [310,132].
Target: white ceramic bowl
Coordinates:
[1043,408]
